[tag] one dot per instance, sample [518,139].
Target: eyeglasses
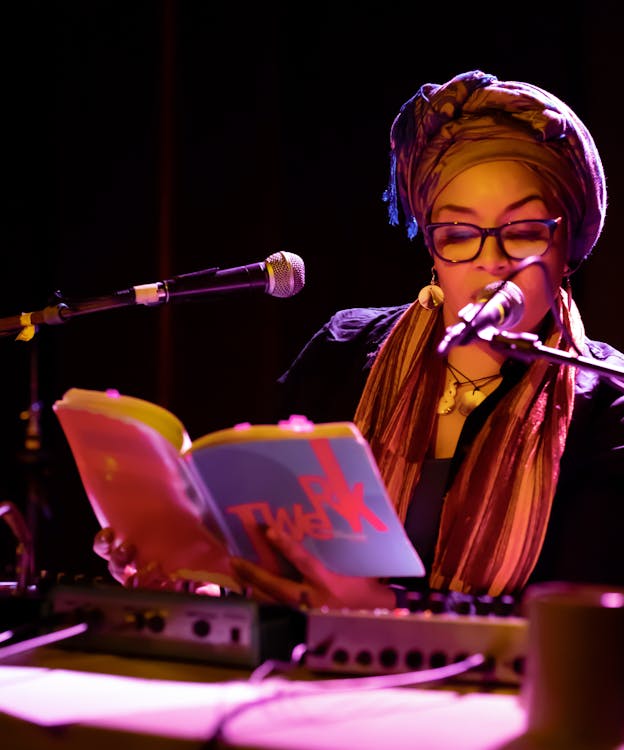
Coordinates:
[457,242]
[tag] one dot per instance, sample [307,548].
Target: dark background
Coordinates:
[147,139]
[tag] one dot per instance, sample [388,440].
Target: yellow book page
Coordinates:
[114,404]
[295,428]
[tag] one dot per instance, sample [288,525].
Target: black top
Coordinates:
[585,537]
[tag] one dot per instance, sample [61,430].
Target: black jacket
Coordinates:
[585,538]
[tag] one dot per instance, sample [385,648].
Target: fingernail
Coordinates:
[103,541]
[123,554]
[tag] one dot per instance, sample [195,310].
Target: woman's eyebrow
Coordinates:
[456,208]
[523,201]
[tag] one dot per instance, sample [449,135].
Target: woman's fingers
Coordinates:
[150,576]
[321,586]
[106,545]
[103,542]
[305,562]
[123,554]
[123,566]
[263,585]
[266,586]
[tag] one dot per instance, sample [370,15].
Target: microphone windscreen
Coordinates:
[287,272]
[505,286]
[510,296]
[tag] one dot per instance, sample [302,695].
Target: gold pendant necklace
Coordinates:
[468,400]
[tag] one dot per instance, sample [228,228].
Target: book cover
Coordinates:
[189,504]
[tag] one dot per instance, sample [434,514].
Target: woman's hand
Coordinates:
[319,587]
[122,565]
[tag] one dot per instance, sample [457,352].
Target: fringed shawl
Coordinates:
[496,512]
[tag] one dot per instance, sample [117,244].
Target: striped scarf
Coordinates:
[495,513]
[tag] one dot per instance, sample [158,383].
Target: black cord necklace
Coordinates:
[468,400]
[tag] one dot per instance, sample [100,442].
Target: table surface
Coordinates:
[51,697]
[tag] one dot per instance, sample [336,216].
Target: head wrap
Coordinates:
[444,129]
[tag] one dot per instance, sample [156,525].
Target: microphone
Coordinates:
[282,274]
[498,305]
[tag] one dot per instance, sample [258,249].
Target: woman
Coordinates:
[504,473]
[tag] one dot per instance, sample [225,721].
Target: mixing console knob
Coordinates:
[364,658]
[340,656]
[201,628]
[388,658]
[155,623]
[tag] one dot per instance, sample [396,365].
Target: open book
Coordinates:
[189,505]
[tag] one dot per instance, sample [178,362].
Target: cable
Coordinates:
[43,640]
[399,679]
[24,552]
[533,260]
[299,688]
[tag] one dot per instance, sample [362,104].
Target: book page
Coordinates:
[113,403]
[137,484]
[297,427]
[319,484]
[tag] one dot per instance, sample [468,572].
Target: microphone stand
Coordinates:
[280,275]
[185,287]
[527,347]
[26,324]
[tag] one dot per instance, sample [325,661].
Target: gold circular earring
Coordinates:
[431,296]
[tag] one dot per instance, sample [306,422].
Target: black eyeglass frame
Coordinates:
[552,224]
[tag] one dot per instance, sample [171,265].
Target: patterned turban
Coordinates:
[444,129]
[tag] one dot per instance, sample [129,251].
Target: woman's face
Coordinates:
[489,195]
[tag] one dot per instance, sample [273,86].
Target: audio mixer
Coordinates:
[233,630]
[217,630]
[371,642]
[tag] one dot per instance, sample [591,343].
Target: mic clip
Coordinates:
[463,333]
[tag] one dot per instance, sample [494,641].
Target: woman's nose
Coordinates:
[492,258]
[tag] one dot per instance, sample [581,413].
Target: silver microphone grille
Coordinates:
[286,274]
[513,307]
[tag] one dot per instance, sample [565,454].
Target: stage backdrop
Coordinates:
[148,139]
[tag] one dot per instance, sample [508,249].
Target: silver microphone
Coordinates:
[282,274]
[500,305]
